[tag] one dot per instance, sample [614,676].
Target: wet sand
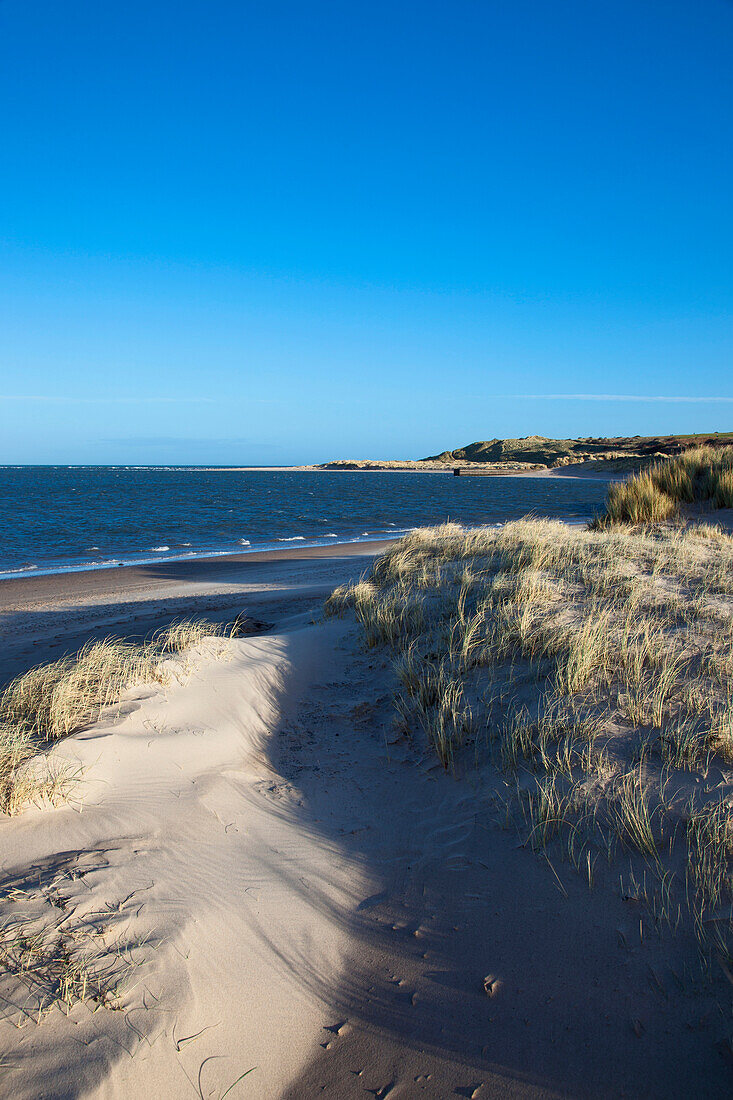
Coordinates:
[44,617]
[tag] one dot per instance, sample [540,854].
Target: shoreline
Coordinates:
[45,617]
[307,548]
[104,580]
[112,565]
[570,471]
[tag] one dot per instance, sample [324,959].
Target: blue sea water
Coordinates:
[58,518]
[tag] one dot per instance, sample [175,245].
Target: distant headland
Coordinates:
[537,455]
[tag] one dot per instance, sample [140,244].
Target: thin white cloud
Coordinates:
[144,400]
[617,397]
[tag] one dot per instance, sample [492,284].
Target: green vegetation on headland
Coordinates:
[593,455]
[540,451]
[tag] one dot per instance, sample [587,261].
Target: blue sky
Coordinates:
[246,232]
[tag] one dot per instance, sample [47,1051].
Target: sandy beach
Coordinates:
[290,890]
[43,617]
[366,551]
[578,470]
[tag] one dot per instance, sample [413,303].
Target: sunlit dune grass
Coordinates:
[703,475]
[55,700]
[593,667]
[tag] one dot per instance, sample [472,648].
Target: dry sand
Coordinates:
[587,471]
[304,894]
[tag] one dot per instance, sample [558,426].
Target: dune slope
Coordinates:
[290,888]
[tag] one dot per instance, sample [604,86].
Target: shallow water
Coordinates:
[57,518]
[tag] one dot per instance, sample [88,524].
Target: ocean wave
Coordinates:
[295,538]
[244,542]
[158,549]
[21,569]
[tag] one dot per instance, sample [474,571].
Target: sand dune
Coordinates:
[188,844]
[286,886]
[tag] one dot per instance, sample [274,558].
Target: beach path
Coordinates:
[292,891]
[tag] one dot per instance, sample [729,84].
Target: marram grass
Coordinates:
[586,665]
[703,475]
[55,700]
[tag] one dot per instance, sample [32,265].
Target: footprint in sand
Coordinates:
[335,1030]
[492,985]
[370,902]
[383,1092]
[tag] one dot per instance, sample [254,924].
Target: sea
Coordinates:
[57,519]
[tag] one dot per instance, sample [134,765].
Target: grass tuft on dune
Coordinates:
[703,475]
[594,668]
[57,699]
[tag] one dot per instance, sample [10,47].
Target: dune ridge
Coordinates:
[177,855]
[287,894]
